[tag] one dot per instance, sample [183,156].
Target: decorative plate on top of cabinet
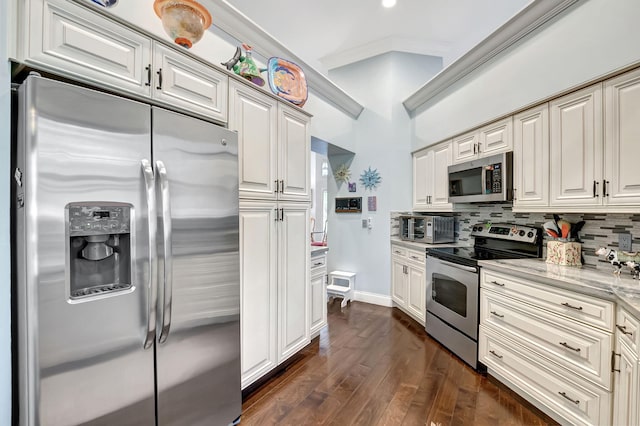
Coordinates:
[287,80]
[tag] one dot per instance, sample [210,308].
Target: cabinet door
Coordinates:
[258,290]
[422,164]
[254,116]
[576,151]
[496,138]
[440,177]
[318,303]
[398,281]
[73,40]
[189,84]
[417,294]
[465,147]
[621,146]
[625,392]
[294,143]
[293,279]
[531,157]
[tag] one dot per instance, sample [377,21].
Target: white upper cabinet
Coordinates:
[621,184]
[254,116]
[576,148]
[274,146]
[62,36]
[491,139]
[531,157]
[189,84]
[431,178]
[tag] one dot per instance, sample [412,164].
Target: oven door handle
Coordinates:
[472,269]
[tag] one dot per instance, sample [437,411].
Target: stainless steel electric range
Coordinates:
[453,282]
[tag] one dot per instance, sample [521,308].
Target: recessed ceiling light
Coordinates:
[388,3]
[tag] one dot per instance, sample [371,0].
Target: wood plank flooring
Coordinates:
[374,366]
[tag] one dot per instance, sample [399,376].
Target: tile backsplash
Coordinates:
[600,230]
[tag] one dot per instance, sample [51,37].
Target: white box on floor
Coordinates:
[342,284]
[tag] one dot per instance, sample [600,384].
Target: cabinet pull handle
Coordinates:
[474,147]
[317,264]
[281,215]
[277,182]
[282,186]
[595,189]
[577,308]
[613,361]
[497,283]
[479,147]
[415,257]
[604,188]
[148,69]
[497,314]
[569,347]
[623,329]
[159,86]
[397,251]
[575,401]
[492,352]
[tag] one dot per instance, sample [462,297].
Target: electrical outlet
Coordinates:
[624,242]
[365,223]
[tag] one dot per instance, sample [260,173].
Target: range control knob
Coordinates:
[530,234]
[521,233]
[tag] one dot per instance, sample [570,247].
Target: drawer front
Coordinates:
[319,265]
[628,327]
[398,251]
[71,39]
[574,400]
[416,256]
[582,349]
[587,309]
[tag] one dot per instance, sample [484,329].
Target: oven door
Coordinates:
[452,294]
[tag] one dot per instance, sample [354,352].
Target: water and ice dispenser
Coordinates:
[99,248]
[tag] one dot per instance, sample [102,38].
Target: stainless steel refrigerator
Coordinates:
[127,261]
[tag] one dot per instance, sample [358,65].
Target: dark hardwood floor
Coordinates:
[374,366]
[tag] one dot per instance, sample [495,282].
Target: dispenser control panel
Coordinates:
[99,219]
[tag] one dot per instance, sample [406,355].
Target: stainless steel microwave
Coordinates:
[485,180]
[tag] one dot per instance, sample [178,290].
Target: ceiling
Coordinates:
[331,33]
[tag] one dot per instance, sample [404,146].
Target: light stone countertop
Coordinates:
[422,246]
[622,289]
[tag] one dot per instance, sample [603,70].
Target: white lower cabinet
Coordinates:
[408,281]
[318,293]
[274,275]
[551,345]
[626,367]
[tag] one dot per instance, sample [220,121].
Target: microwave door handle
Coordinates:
[152,284]
[165,208]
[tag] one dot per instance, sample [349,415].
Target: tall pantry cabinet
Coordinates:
[274,152]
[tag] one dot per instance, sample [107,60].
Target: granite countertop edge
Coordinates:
[588,281]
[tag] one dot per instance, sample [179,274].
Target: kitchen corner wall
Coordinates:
[5,250]
[600,230]
[381,139]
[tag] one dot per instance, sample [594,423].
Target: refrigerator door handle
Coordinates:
[152,285]
[165,208]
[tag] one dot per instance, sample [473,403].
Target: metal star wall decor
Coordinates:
[370,178]
[342,174]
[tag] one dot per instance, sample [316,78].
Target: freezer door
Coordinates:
[198,365]
[81,358]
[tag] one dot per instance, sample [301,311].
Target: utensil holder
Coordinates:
[564,253]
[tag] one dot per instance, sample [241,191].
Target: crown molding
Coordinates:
[231,21]
[523,23]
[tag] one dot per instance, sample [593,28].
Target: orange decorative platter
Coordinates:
[287,80]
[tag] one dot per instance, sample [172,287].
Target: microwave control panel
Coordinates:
[493,178]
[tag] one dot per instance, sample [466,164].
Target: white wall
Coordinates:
[380,139]
[589,40]
[5,250]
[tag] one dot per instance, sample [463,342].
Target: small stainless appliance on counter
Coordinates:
[127,298]
[427,229]
[453,282]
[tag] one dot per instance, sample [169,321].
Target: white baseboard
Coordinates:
[373,298]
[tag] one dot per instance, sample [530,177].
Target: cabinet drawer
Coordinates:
[590,310]
[318,265]
[629,330]
[575,346]
[399,251]
[71,39]
[416,256]
[571,398]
